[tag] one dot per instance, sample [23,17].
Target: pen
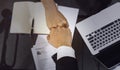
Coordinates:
[32,29]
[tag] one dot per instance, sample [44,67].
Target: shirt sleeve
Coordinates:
[65,51]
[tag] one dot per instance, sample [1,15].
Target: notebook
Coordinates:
[101,34]
[23,15]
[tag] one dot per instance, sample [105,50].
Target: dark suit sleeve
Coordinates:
[66,63]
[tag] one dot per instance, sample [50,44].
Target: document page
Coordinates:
[71,15]
[42,53]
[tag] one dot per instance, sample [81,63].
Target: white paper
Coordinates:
[117,68]
[43,44]
[35,58]
[42,58]
[71,15]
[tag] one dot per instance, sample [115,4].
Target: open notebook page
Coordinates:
[40,26]
[24,13]
[21,18]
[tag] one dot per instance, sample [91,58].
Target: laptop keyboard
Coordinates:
[104,35]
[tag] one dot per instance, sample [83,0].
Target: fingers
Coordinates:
[48,37]
[60,36]
[62,20]
[60,23]
[56,19]
[63,23]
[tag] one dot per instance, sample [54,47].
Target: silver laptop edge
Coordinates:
[96,22]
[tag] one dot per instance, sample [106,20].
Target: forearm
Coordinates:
[49,5]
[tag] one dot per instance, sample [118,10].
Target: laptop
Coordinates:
[101,34]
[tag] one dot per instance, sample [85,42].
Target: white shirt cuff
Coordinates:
[65,51]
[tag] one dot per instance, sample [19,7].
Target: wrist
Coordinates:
[49,4]
[65,44]
[65,51]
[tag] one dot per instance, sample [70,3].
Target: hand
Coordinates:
[60,36]
[53,17]
[56,20]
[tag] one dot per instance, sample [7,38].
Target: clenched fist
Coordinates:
[54,17]
[60,36]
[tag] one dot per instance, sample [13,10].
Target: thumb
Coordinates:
[48,37]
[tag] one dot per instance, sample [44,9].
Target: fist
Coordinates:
[60,36]
[56,20]
[54,17]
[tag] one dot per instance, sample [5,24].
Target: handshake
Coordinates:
[60,34]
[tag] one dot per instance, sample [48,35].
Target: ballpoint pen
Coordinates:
[32,35]
[32,28]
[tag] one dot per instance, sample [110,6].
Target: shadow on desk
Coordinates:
[13,52]
[4,28]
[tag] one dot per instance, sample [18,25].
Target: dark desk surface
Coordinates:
[24,59]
